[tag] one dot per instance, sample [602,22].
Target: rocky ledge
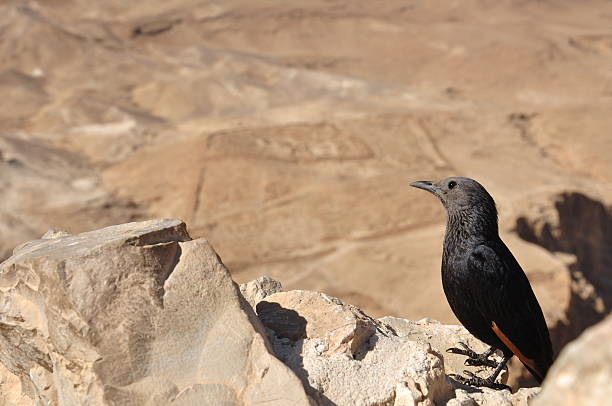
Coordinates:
[141,314]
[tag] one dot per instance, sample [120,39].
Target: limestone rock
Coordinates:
[399,362]
[340,327]
[257,290]
[490,397]
[50,234]
[346,358]
[582,373]
[11,391]
[134,314]
[440,337]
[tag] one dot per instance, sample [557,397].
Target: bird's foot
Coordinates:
[481,362]
[474,359]
[477,381]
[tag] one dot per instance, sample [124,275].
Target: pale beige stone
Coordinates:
[134,314]
[441,337]
[257,290]
[583,371]
[490,397]
[341,328]
[11,392]
[344,357]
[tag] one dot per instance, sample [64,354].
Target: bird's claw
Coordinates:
[481,362]
[474,359]
[467,351]
[477,381]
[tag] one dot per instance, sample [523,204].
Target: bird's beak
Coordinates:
[426,185]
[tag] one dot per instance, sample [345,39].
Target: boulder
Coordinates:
[257,290]
[582,374]
[134,314]
[490,397]
[344,357]
[295,315]
[441,337]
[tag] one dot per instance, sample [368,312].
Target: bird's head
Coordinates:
[459,194]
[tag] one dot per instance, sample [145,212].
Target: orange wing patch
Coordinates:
[527,361]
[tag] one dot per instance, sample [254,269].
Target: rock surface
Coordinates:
[441,337]
[489,397]
[583,372]
[340,327]
[257,290]
[11,390]
[346,358]
[134,314]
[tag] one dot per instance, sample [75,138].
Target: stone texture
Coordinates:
[489,397]
[388,365]
[344,357]
[11,393]
[582,373]
[134,314]
[257,290]
[340,327]
[440,337]
[397,363]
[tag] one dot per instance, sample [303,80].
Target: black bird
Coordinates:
[485,286]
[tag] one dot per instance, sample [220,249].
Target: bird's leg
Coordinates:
[474,359]
[489,382]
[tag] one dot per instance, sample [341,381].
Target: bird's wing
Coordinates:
[509,304]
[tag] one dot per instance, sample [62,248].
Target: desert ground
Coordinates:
[287,133]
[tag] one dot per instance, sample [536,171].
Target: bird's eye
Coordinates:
[452,184]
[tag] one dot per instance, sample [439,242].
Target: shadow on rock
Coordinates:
[286,323]
[580,226]
[288,326]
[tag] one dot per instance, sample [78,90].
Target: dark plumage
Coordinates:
[484,284]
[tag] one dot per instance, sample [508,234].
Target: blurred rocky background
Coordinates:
[287,133]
